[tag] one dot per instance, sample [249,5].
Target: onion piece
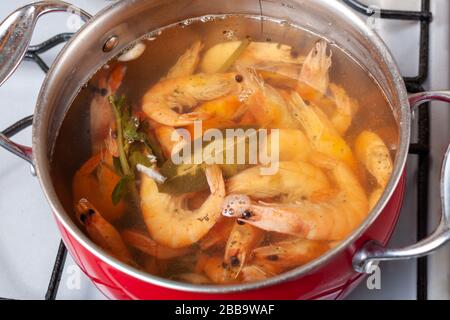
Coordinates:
[151,173]
[133,53]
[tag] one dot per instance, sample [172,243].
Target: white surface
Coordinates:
[29,239]
[28,236]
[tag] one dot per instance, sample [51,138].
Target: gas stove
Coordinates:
[34,262]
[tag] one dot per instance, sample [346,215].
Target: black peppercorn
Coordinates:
[247,214]
[272,257]
[235,261]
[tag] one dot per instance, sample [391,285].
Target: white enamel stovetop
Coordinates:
[28,236]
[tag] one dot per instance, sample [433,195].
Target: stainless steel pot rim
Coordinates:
[76,233]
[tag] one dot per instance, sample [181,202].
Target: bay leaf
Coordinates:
[183,178]
[190,177]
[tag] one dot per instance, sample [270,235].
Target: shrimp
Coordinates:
[187,63]
[151,265]
[95,181]
[314,76]
[371,150]
[169,223]
[345,110]
[375,196]
[102,120]
[170,140]
[279,74]
[222,113]
[145,244]
[320,131]
[243,239]
[253,273]
[270,52]
[216,270]
[293,145]
[331,220]
[102,232]
[289,254]
[293,181]
[218,234]
[266,103]
[225,55]
[167,100]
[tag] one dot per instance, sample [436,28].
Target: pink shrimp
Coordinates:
[289,254]
[243,239]
[145,244]
[330,220]
[101,113]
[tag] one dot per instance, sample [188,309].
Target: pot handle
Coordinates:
[16,32]
[372,252]
[17,149]
[17,29]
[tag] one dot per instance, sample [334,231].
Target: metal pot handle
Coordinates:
[373,252]
[16,32]
[17,29]
[17,149]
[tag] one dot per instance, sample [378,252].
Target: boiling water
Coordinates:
[163,48]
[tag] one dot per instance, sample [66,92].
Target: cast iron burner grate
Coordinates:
[421,148]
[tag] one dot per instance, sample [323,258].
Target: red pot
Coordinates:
[331,280]
[332,275]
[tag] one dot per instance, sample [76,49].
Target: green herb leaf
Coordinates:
[184,178]
[121,189]
[131,130]
[138,157]
[118,105]
[131,137]
[117,166]
[155,149]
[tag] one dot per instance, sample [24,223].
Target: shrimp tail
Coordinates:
[187,63]
[116,77]
[102,120]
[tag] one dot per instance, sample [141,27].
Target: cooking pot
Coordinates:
[113,30]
